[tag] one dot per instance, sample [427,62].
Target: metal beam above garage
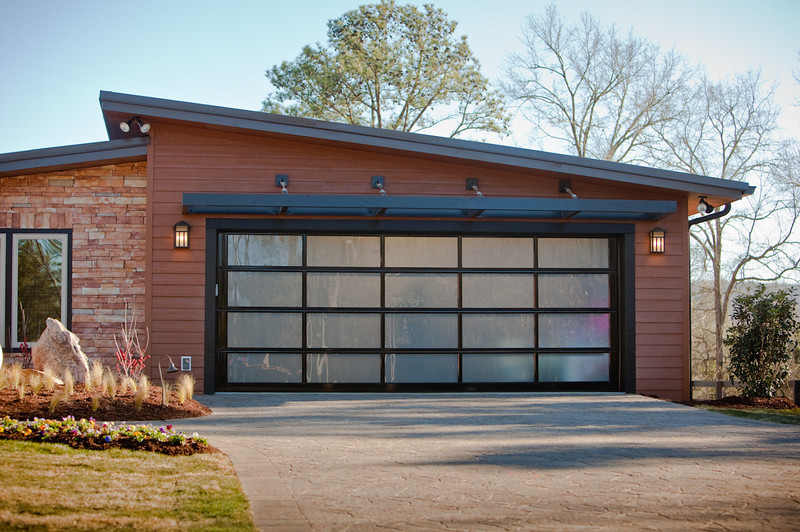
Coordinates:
[427,206]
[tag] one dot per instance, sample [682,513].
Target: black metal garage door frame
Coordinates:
[623,333]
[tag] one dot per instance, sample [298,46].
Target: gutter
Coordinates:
[713,216]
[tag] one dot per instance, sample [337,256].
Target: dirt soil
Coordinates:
[79,405]
[121,408]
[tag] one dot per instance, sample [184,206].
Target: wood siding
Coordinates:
[207,161]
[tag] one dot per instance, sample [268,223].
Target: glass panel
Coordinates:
[344,368]
[574,330]
[497,290]
[421,252]
[421,290]
[573,368]
[573,253]
[497,331]
[265,250]
[497,252]
[39,284]
[344,289]
[265,289]
[345,331]
[358,251]
[573,291]
[265,329]
[421,331]
[497,368]
[265,367]
[421,368]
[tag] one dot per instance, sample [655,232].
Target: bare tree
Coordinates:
[727,132]
[594,91]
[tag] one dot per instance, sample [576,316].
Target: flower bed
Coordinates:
[89,434]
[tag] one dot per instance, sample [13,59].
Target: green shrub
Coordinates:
[762,340]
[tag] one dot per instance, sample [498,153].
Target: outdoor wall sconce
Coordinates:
[181,235]
[657,240]
[144,127]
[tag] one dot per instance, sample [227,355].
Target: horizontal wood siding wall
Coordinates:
[662,310]
[208,161]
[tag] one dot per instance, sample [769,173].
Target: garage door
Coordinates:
[320,311]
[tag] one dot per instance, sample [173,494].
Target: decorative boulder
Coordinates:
[60,349]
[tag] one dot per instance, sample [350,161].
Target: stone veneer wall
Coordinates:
[105,207]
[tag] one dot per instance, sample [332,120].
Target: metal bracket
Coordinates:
[472,183]
[565,187]
[281,180]
[378,181]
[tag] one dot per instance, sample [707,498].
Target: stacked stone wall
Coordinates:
[105,207]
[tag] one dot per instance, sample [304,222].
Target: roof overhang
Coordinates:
[76,156]
[426,206]
[120,107]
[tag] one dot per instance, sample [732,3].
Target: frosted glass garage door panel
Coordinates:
[497,290]
[573,368]
[574,330]
[265,367]
[330,330]
[574,291]
[421,290]
[573,253]
[344,289]
[497,331]
[265,250]
[349,368]
[267,330]
[422,368]
[265,289]
[497,252]
[340,251]
[497,367]
[421,331]
[421,252]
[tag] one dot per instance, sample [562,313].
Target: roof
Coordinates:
[123,147]
[75,156]
[119,107]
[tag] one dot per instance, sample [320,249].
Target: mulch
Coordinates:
[772,403]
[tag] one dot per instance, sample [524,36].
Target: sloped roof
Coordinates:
[123,147]
[119,107]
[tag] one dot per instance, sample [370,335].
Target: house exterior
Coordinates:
[324,256]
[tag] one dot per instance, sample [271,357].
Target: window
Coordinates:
[34,283]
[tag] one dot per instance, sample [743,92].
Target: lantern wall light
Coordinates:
[181,235]
[657,240]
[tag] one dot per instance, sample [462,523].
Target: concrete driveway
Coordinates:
[503,462]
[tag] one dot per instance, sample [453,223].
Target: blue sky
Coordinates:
[56,56]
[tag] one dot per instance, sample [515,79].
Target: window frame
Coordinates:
[9,289]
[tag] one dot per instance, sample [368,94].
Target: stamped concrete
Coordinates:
[503,462]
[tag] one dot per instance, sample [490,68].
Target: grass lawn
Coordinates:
[53,487]
[787,416]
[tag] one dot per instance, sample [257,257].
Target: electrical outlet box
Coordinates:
[186,363]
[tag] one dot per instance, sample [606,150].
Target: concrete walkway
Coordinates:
[503,462]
